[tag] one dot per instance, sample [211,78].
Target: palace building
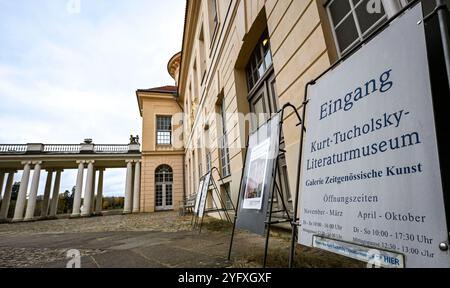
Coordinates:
[240,57]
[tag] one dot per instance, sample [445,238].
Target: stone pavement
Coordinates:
[159,240]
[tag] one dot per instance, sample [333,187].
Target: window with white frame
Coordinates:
[164,130]
[213,17]
[223,144]
[351,21]
[208,161]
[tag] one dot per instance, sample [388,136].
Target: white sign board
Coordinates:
[198,197]
[371,172]
[204,194]
[256,177]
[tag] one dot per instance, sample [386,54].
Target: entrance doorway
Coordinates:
[164,188]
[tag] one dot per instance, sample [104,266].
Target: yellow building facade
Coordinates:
[242,60]
[242,57]
[162,174]
[254,56]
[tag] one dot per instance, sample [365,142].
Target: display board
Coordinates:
[204,194]
[257,180]
[199,195]
[370,173]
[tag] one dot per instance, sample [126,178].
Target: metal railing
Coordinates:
[6,149]
[111,149]
[12,148]
[62,148]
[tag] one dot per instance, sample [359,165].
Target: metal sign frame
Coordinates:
[267,210]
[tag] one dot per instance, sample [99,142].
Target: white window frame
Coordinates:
[158,131]
[391,7]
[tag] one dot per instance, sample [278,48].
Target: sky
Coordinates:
[69,70]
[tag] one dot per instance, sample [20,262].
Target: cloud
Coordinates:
[67,76]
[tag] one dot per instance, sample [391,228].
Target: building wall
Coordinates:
[149,165]
[153,156]
[300,43]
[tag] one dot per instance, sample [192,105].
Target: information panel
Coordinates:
[257,182]
[199,195]
[204,194]
[371,174]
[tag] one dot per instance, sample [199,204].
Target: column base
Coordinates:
[75,216]
[16,220]
[43,218]
[99,214]
[126,212]
[136,211]
[30,220]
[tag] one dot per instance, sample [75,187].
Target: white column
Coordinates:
[22,196]
[99,200]
[7,197]
[137,187]
[88,190]
[93,194]
[48,188]
[2,179]
[128,188]
[29,215]
[78,190]
[55,195]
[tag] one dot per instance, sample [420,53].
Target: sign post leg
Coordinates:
[237,203]
[443,22]
[269,222]
[299,174]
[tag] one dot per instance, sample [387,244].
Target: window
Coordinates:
[213,17]
[202,48]
[353,20]
[208,162]
[261,83]
[263,99]
[260,61]
[223,144]
[163,130]
[226,194]
[164,188]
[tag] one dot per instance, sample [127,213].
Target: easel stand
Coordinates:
[274,189]
[296,221]
[197,220]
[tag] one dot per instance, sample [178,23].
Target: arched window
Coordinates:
[164,188]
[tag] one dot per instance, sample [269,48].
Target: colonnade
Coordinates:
[25,208]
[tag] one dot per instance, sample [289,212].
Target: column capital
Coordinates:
[90,162]
[37,163]
[100,169]
[81,162]
[133,161]
[26,163]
